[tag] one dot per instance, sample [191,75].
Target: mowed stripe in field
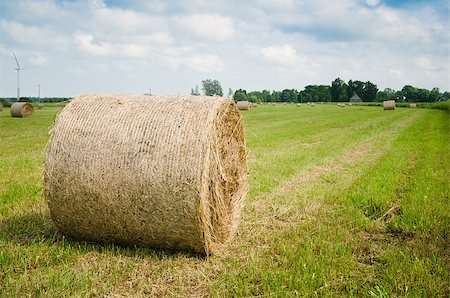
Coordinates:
[305,141]
[259,210]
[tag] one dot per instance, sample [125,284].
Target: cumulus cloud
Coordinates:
[211,27]
[202,63]
[284,55]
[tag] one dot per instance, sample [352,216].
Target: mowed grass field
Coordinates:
[342,202]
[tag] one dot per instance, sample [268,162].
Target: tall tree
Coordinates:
[338,90]
[212,87]
[369,91]
[240,95]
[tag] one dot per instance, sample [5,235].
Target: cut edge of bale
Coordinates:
[22,109]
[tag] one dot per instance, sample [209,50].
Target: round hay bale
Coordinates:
[22,109]
[413,105]
[299,105]
[244,105]
[389,105]
[162,171]
[254,105]
[40,105]
[313,104]
[350,104]
[1,107]
[342,105]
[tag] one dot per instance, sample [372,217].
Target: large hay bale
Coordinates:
[22,109]
[389,105]
[1,107]
[244,105]
[413,105]
[167,172]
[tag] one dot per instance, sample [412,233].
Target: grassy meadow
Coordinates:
[347,201]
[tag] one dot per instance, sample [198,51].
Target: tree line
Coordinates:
[339,90]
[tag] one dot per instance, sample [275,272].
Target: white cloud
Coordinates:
[284,55]
[201,63]
[372,2]
[33,35]
[211,27]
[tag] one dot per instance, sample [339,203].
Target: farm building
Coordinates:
[355,98]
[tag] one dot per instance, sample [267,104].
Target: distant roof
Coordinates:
[355,96]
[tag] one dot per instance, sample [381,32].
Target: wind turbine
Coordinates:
[18,81]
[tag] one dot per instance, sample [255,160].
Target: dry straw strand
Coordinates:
[389,105]
[163,171]
[22,109]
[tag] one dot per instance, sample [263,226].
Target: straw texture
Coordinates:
[1,107]
[244,105]
[22,109]
[389,105]
[167,172]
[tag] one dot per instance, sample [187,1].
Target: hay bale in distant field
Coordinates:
[163,171]
[244,105]
[273,104]
[22,109]
[350,104]
[254,105]
[40,105]
[342,105]
[1,107]
[412,105]
[313,104]
[299,105]
[389,105]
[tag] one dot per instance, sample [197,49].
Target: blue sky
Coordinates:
[131,46]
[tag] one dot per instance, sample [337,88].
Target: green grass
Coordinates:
[342,202]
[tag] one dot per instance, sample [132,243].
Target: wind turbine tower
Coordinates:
[18,80]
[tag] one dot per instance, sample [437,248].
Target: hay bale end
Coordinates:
[22,109]
[389,105]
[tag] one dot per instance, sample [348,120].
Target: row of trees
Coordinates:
[339,90]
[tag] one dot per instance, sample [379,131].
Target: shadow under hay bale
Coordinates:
[22,109]
[244,105]
[166,172]
[389,105]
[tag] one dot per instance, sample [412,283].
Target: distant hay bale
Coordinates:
[342,105]
[412,105]
[273,104]
[299,105]
[162,171]
[254,105]
[244,105]
[313,104]
[22,109]
[350,104]
[40,105]
[389,105]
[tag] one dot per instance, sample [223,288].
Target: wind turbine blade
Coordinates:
[17,62]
